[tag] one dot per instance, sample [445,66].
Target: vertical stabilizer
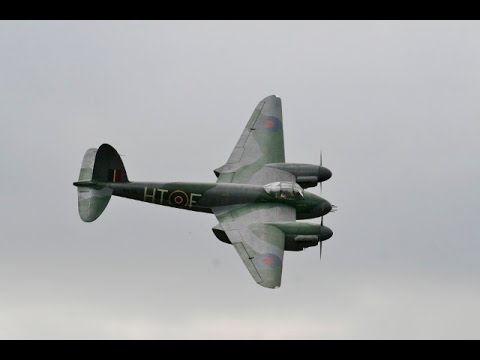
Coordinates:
[99,167]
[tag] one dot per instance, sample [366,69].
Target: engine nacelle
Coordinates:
[306,175]
[299,235]
[220,234]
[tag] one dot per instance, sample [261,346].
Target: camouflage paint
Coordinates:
[259,226]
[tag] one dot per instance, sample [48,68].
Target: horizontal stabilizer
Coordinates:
[99,167]
[91,202]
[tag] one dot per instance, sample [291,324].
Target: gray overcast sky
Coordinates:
[394,106]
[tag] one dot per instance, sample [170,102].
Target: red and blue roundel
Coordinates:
[178,198]
[271,123]
[265,261]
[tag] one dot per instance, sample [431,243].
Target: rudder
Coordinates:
[99,166]
[108,166]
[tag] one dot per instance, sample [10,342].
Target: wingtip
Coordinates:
[270,284]
[271,97]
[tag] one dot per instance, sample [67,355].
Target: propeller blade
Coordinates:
[321,164]
[320,244]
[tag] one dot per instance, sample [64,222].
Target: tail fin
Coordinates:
[99,166]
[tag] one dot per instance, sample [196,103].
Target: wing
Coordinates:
[260,143]
[259,245]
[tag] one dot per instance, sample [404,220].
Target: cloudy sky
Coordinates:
[394,106]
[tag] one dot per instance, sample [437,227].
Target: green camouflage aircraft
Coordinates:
[257,197]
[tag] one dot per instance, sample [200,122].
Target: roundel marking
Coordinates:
[179,198]
[267,260]
[268,124]
[272,123]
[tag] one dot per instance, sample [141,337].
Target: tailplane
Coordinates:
[99,167]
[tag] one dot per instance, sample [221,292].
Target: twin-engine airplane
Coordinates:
[256,199]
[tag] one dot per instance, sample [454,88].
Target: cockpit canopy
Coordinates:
[284,190]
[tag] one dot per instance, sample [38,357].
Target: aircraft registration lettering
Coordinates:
[177,197]
[147,195]
[191,198]
[162,191]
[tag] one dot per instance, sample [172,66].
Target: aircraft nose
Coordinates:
[322,209]
[326,207]
[324,174]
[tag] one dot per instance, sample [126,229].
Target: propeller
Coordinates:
[321,222]
[320,245]
[321,164]
[324,174]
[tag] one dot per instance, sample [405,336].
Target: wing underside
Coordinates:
[260,143]
[260,246]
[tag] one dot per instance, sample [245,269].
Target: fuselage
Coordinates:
[203,197]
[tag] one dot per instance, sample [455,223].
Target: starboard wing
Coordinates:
[260,246]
